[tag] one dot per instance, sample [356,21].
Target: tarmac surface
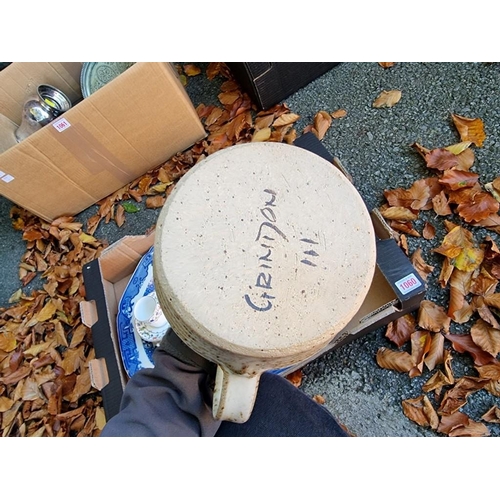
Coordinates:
[374,146]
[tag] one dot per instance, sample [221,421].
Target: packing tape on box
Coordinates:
[92,154]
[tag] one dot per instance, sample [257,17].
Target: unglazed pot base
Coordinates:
[263,253]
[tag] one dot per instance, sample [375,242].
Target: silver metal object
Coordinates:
[48,104]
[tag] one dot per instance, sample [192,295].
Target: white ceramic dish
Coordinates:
[147,332]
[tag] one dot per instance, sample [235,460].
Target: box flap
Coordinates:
[121,258]
[99,377]
[88,313]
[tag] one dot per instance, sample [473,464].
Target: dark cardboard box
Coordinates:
[268,84]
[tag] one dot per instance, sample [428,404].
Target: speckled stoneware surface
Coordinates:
[263,253]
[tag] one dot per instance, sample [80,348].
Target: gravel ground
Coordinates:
[374,145]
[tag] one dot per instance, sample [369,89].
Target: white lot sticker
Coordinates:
[7,178]
[408,283]
[61,125]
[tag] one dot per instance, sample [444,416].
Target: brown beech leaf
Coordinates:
[429,231]
[398,213]
[433,317]
[322,122]
[493,387]
[465,159]
[435,383]
[418,197]
[458,179]
[459,245]
[386,64]
[441,379]
[404,227]
[5,404]
[494,188]
[421,150]
[191,69]
[465,344]
[492,223]
[262,135]
[73,359]
[456,397]
[486,337]
[290,137]
[489,372]
[295,377]
[435,354]
[120,216]
[78,335]
[387,99]
[420,345]
[441,159]
[470,129]
[319,399]
[463,314]
[421,411]
[394,360]
[47,312]
[100,418]
[340,113]
[228,98]
[400,330]
[458,424]
[82,386]
[478,208]
[492,300]
[14,377]
[440,204]
[484,284]
[264,121]
[8,341]
[420,265]
[492,415]
[461,280]
[459,147]
[285,119]
[155,201]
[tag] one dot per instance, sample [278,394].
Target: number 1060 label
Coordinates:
[408,283]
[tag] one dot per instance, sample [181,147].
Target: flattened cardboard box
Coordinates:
[131,125]
[396,290]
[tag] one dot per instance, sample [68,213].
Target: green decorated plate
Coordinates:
[95,75]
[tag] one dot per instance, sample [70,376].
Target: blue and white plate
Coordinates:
[136,354]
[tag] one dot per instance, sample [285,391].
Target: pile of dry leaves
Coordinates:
[470,271]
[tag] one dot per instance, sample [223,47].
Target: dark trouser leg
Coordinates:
[283,410]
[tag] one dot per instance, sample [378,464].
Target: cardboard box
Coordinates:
[131,125]
[268,84]
[396,289]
